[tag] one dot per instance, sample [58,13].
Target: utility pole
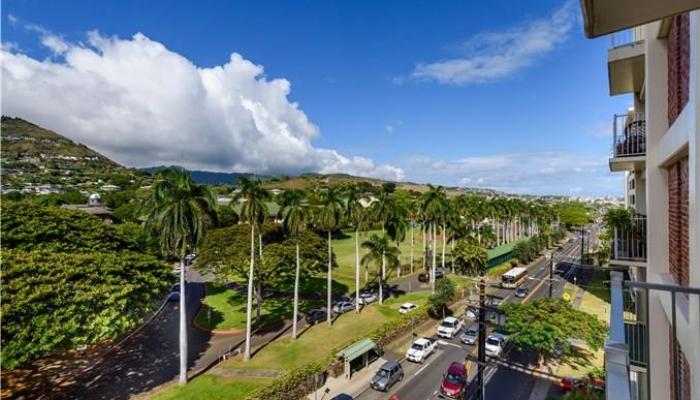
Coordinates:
[551,273]
[482,342]
[583,239]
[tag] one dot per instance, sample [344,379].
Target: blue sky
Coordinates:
[501,94]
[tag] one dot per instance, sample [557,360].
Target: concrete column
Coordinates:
[616,353]
[655,64]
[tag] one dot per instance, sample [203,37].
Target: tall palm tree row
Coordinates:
[356,215]
[295,212]
[178,214]
[329,215]
[432,208]
[253,210]
[381,253]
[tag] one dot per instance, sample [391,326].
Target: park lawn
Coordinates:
[390,308]
[212,388]
[344,250]
[314,344]
[581,364]
[227,308]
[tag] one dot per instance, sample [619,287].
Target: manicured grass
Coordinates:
[212,388]
[314,344]
[227,308]
[581,364]
[344,250]
[390,308]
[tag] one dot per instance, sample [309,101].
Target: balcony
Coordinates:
[601,17]
[627,348]
[629,142]
[630,243]
[626,62]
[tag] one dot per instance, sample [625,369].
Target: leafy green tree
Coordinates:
[178,215]
[381,253]
[253,195]
[329,215]
[54,301]
[545,324]
[523,251]
[470,258]
[573,214]
[227,217]
[296,216]
[443,296]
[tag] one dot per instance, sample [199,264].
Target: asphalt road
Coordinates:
[423,381]
[150,357]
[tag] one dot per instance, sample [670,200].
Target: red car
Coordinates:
[585,385]
[454,381]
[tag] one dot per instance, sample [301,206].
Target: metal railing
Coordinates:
[626,37]
[630,243]
[629,341]
[629,134]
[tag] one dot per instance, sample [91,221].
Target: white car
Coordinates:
[366,298]
[495,343]
[420,350]
[449,327]
[407,308]
[342,307]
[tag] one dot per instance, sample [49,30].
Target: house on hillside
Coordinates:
[94,207]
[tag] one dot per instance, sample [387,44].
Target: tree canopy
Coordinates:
[573,213]
[544,325]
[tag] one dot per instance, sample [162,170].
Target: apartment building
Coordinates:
[653,351]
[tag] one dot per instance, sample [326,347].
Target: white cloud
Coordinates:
[533,173]
[490,56]
[142,104]
[389,128]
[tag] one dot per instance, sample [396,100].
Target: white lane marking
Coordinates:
[444,343]
[421,369]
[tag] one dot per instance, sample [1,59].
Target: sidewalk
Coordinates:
[357,384]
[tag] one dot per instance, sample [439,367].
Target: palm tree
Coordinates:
[254,210]
[356,215]
[331,210]
[380,252]
[432,206]
[296,214]
[396,228]
[470,258]
[178,213]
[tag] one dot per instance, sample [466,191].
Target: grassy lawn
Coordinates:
[583,362]
[314,344]
[390,308]
[212,388]
[344,250]
[227,308]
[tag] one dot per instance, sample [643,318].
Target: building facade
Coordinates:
[655,322]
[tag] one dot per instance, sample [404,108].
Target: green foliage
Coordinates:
[290,385]
[573,213]
[618,217]
[444,295]
[129,212]
[470,258]
[227,217]
[226,253]
[57,301]
[544,324]
[57,199]
[137,238]
[117,199]
[29,227]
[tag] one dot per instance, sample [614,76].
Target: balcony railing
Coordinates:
[629,134]
[629,341]
[630,243]
[625,37]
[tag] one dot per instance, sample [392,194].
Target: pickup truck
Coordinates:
[421,349]
[449,327]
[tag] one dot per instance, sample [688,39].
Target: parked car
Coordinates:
[584,386]
[386,376]
[454,381]
[174,296]
[439,273]
[424,277]
[471,334]
[342,396]
[471,313]
[421,349]
[342,307]
[495,343]
[315,316]
[367,298]
[175,287]
[449,327]
[521,292]
[407,308]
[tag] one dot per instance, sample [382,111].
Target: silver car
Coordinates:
[470,335]
[342,307]
[366,298]
[386,376]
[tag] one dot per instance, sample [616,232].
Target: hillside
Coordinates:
[211,178]
[34,153]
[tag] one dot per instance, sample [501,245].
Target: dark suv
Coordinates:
[315,316]
[386,376]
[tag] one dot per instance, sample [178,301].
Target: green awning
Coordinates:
[357,349]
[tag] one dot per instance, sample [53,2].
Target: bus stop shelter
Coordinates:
[357,356]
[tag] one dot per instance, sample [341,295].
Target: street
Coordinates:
[423,381]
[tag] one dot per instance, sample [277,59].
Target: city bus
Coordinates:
[514,278]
